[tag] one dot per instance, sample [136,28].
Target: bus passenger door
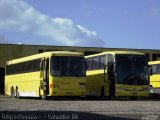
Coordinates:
[44,77]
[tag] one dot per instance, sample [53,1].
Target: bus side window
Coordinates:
[158,69]
[154,69]
[95,62]
[89,63]
[102,62]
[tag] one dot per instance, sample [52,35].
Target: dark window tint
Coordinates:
[95,62]
[155,57]
[89,63]
[130,69]
[102,61]
[110,58]
[147,55]
[28,66]
[68,66]
[156,69]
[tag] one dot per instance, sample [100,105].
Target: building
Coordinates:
[13,51]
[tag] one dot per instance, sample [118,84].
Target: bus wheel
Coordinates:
[133,98]
[17,93]
[12,92]
[102,92]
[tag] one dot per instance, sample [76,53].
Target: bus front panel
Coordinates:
[68,76]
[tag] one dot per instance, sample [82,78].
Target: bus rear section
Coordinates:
[58,73]
[155,77]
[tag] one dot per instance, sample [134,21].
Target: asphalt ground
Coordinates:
[79,109]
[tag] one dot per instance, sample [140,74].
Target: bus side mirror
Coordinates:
[111,67]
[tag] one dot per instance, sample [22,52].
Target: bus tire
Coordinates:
[102,92]
[12,92]
[17,93]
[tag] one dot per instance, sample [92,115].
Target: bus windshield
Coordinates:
[131,69]
[68,66]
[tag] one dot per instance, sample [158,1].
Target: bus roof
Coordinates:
[116,52]
[154,62]
[45,54]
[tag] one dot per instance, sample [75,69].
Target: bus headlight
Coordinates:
[82,86]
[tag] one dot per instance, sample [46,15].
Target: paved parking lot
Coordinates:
[85,109]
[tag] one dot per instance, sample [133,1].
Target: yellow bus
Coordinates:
[155,77]
[117,73]
[57,73]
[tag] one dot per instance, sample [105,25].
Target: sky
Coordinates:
[86,23]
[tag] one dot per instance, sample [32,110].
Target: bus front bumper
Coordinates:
[133,93]
[60,92]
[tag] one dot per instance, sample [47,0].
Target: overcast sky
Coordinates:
[97,23]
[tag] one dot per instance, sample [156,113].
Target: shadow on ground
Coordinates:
[70,98]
